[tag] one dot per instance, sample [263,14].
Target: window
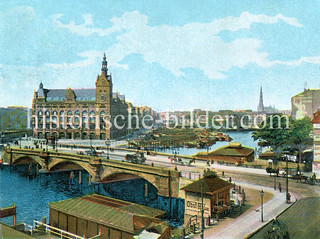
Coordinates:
[63,98]
[69,112]
[84,113]
[77,112]
[47,112]
[48,98]
[39,112]
[102,97]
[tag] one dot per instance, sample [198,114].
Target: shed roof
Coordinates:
[211,183]
[232,149]
[111,212]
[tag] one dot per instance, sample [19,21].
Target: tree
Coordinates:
[300,134]
[274,132]
[280,132]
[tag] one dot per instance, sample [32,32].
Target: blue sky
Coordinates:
[170,55]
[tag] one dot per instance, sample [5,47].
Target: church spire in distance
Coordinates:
[261,106]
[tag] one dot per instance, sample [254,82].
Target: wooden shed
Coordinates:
[113,218]
[233,152]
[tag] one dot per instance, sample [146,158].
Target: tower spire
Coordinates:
[261,106]
[104,68]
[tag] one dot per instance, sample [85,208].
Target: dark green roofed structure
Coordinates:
[93,214]
[233,152]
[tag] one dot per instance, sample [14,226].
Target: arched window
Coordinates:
[47,112]
[54,112]
[48,98]
[93,98]
[85,98]
[91,113]
[56,98]
[77,112]
[39,112]
[84,113]
[102,112]
[61,112]
[63,98]
[69,112]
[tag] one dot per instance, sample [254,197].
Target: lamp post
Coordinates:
[108,146]
[202,210]
[261,195]
[287,182]
[20,142]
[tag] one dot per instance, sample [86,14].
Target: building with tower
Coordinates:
[95,113]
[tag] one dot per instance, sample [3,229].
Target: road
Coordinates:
[250,221]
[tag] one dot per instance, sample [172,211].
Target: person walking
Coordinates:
[279,187]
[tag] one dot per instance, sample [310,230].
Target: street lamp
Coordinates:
[287,182]
[107,145]
[261,195]
[202,210]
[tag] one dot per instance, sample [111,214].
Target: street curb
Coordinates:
[267,223]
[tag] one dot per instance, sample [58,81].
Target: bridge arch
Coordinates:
[124,175]
[26,159]
[62,164]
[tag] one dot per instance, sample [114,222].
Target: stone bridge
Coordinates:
[165,180]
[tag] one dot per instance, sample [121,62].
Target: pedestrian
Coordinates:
[279,187]
[194,160]
[208,163]
[223,174]
[230,180]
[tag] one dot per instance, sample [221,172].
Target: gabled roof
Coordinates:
[232,149]
[211,183]
[108,211]
[316,118]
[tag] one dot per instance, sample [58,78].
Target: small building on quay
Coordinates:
[94,214]
[232,153]
[216,198]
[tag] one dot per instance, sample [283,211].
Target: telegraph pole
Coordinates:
[202,218]
[287,181]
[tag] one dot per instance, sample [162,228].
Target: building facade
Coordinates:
[95,113]
[305,103]
[316,144]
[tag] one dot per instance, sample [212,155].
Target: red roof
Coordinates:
[316,118]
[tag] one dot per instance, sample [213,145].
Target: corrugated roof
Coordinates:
[211,184]
[108,211]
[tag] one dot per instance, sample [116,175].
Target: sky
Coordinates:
[170,55]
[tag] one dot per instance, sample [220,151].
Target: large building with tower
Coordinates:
[95,113]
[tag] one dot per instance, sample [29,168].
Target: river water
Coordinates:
[32,194]
[243,137]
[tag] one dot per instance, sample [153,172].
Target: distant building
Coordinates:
[305,103]
[85,113]
[94,214]
[233,152]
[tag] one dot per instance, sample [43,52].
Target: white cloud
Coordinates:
[194,45]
